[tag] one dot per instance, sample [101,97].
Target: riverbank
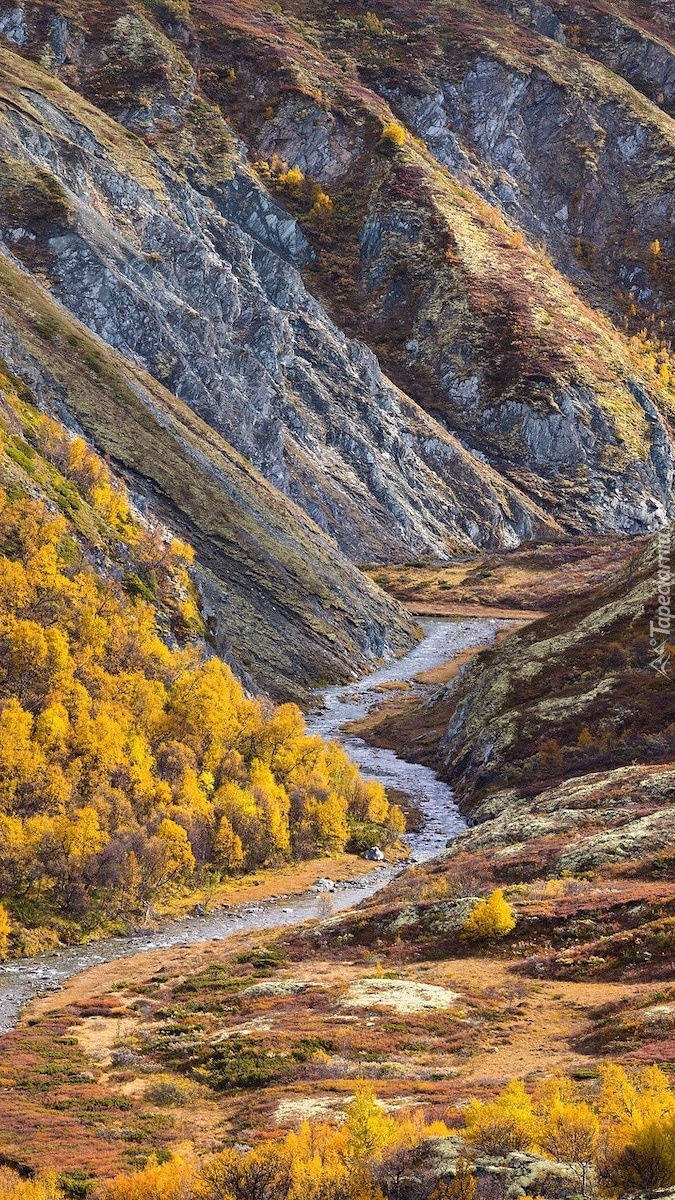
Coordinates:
[276,898]
[405,717]
[268,883]
[274,1019]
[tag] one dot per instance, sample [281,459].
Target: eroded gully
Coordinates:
[23,979]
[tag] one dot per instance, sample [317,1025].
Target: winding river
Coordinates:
[22,980]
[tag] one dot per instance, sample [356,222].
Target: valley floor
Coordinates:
[235,1040]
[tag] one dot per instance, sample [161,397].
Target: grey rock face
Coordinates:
[281,604]
[202,291]
[245,203]
[525,129]
[508,134]
[534,15]
[199,283]
[304,135]
[632,50]
[13,25]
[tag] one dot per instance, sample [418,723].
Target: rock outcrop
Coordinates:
[203,290]
[516,407]
[584,689]
[280,602]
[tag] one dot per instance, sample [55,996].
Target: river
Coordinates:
[23,979]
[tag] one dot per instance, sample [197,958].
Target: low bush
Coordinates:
[490,918]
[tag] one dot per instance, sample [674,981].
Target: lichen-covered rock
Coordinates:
[587,823]
[566,695]
[13,25]
[511,1175]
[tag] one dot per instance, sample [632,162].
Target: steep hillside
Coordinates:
[459,297]
[633,38]
[287,289]
[424,241]
[279,601]
[585,689]
[188,269]
[132,764]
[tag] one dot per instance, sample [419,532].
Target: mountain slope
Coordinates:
[133,765]
[566,425]
[281,603]
[480,327]
[172,277]
[576,692]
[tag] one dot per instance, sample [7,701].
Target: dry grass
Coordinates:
[18,76]
[528,581]
[498,1025]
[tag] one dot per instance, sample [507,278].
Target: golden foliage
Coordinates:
[316,1162]
[373,24]
[491,917]
[5,928]
[43,1187]
[131,763]
[394,135]
[502,1125]
[322,208]
[647,1162]
[369,1129]
[463,1186]
[624,1132]
[569,1129]
[173,1180]
[292,178]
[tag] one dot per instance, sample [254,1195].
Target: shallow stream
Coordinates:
[22,980]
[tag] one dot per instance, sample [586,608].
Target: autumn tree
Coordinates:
[369,1129]
[393,135]
[43,1186]
[405,1151]
[491,917]
[172,1180]
[504,1124]
[5,929]
[569,1130]
[638,1116]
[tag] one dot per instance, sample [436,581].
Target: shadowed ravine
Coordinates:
[22,980]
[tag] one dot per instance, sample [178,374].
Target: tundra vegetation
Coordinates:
[617,1139]
[228,192]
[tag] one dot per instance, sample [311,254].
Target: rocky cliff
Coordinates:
[255,189]
[280,602]
[493,259]
[198,282]
[585,689]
